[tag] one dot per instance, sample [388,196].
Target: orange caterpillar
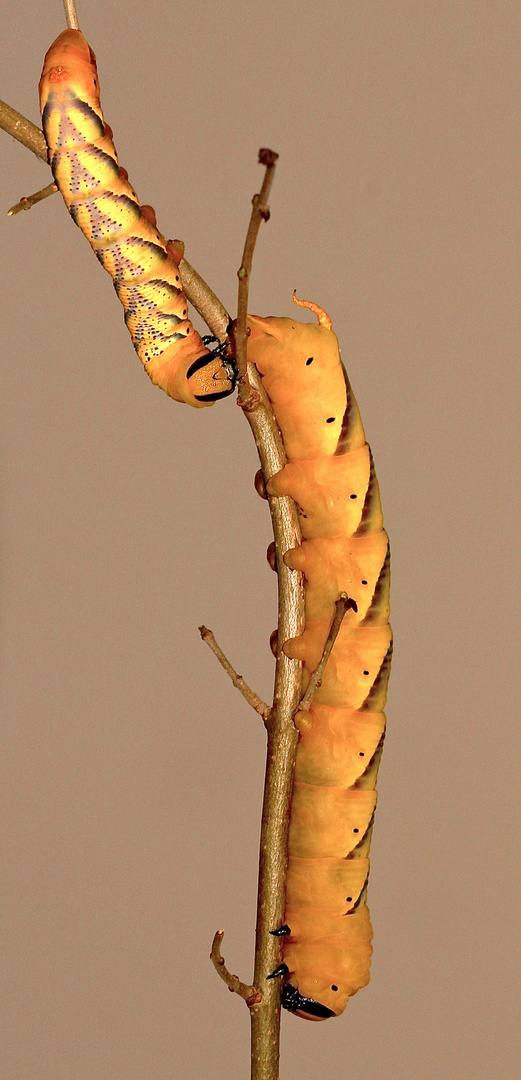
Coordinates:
[122,233]
[330,475]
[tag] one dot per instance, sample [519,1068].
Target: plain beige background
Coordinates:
[132,769]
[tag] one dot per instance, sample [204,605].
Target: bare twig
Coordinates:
[342,605]
[259,213]
[29,200]
[204,300]
[70,14]
[251,697]
[23,130]
[251,995]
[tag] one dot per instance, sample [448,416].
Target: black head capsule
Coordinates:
[282,931]
[282,969]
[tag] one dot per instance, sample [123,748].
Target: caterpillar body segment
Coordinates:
[311,396]
[123,233]
[330,475]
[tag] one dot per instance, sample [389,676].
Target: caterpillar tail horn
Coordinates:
[322,317]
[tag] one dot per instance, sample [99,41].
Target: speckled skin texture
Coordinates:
[330,475]
[122,233]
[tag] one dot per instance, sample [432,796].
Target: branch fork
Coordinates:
[250,994]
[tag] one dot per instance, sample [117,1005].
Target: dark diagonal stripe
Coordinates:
[361,896]
[381,591]
[89,113]
[346,429]
[366,780]
[367,510]
[352,854]
[379,684]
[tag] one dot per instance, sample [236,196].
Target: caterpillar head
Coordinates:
[190,372]
[303,377]
[323,974]
[284,347]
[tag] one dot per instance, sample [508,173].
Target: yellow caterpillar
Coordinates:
[330,475]
[123,234]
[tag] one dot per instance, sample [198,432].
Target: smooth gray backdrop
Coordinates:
[132,769]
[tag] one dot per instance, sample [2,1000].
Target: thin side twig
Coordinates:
[342,605]
[204,300]
[251,697]
[251,995]
[260,212]
[29,200]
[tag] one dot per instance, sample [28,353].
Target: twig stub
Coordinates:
[250,994]
[30,200]
[250,403]
[267,157]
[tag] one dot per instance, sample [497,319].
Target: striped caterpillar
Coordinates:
[123,234]
[330,475]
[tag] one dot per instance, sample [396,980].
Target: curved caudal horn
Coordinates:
[323,319]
